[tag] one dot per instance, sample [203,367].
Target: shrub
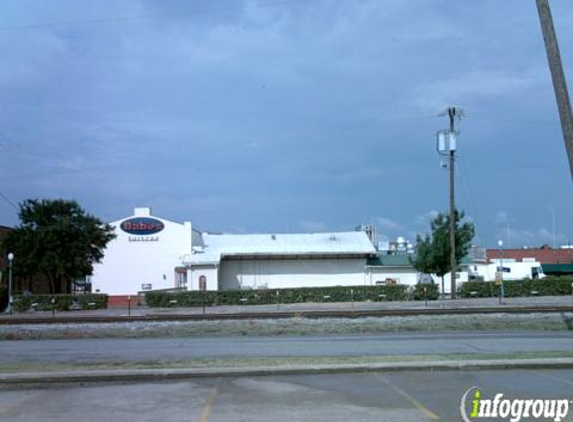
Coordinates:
[91,301]
[272,296]
[549,286]
[425,291]
[61,302]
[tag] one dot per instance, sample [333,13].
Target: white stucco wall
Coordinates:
[406,275]
[132,260]
[275,274]
[209,271]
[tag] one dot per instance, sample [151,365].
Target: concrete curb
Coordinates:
[127,375]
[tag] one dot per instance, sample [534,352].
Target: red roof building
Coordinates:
[544,255]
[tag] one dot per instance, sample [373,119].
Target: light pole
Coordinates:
[500,271]
[10,259]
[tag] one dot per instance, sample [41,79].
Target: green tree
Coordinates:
[56,242]
[433,250]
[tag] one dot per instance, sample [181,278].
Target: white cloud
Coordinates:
[384,223]
[518,238]
[465,87]
[424,219]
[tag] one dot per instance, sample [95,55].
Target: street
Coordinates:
[132,350]
[396,397]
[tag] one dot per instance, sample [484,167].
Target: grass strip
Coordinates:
[273,362]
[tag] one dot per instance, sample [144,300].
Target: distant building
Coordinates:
[553,261]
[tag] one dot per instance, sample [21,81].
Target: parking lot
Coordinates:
[396,396]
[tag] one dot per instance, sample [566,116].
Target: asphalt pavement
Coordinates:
[368,397]
[134,350]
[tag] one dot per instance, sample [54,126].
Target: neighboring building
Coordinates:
[512,270]
[385,268]
[553,261]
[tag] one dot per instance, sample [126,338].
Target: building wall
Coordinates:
[518,270]
[406,275]
[210,272]
[131,261]
[273,274]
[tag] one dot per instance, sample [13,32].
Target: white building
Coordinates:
[143,256]
[391,268]
[513,270]
[259,261]
[151,253]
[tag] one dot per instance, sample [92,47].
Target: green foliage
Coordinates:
[269,296]
[425,291]
[91,301]
[56,241]
[549,286]
[62,302]
[433,251]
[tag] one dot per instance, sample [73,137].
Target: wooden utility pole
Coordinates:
[452,113]
[558,76]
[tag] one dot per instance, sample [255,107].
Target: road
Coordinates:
[126,350]
[367,397]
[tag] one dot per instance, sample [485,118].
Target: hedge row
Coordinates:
[549,286]
[61,302]
[298,295]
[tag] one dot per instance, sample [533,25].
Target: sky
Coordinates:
[247,116]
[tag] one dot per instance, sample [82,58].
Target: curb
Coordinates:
[180,374]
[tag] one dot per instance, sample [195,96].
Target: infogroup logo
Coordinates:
[474,406]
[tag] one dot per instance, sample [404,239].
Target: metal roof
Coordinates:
[218,246]
[390,260]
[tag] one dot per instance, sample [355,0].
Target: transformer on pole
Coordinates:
[447,145]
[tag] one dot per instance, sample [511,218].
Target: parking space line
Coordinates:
[207,408]
[553,377]
[412,400]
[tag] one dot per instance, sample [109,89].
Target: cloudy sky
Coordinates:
[286,115]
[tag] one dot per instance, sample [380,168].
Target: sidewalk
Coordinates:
[127,375]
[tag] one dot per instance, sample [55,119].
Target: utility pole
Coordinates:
[452,111]
[558,76]
[447,140]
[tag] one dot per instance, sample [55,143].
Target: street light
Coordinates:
[10,259]
[500,271]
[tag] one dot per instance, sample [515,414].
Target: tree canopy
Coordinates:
[57,242]
[433,250]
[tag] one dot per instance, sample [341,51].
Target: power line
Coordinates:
[8,201]
[118,19]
